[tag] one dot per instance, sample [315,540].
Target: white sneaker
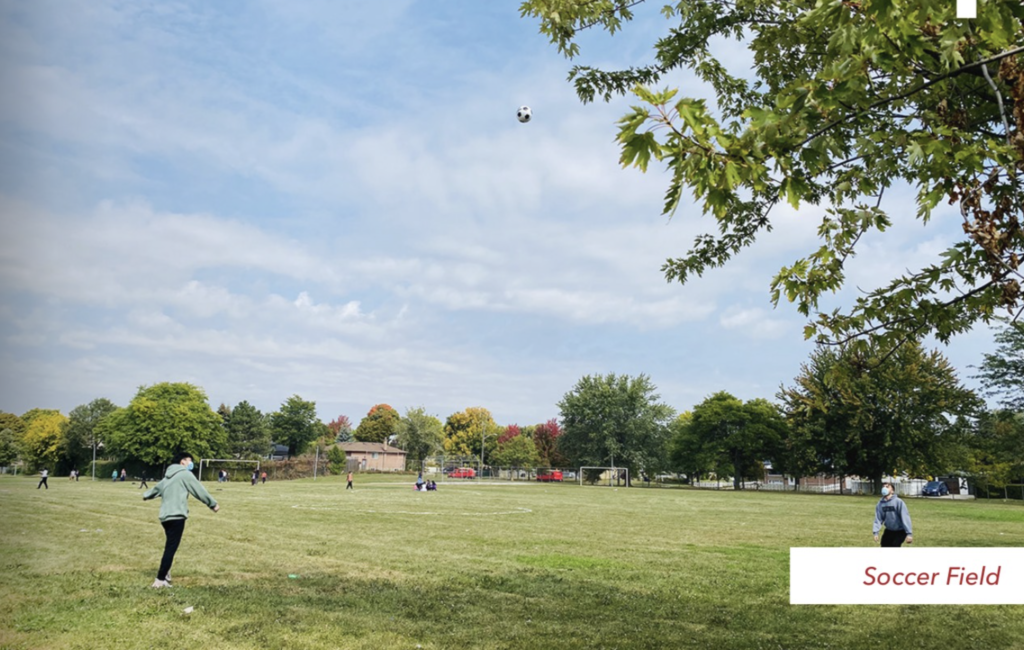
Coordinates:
[157,584]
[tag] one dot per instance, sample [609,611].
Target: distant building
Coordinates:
[372,456]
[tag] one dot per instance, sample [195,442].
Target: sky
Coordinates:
[336,201]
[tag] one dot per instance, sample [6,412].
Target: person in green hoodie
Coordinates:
[173,490]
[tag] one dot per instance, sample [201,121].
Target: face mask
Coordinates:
[885,491]
[190,466]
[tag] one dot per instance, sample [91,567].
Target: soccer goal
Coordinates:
[604,476]
[231,465]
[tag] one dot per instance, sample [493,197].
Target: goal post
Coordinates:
[604,476]
[210,462]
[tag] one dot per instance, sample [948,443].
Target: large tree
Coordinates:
[844,101]
[515,451]
[865,417]
[545,438]
[81,436]
[997,449]
[469,432]
[248,431]
[420,435]
[162,420]
[9,447]
[380,423]
[42,438]
[295,424]
[729,437]
[1002,372]
[614,420]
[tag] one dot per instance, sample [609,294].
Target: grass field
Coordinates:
[470,566]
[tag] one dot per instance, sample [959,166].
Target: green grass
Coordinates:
[470,566]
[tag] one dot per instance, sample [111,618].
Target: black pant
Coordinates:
[349,486]
[173,528]
[43,482]
[893,538]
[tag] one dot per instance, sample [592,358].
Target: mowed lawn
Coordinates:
[308,564]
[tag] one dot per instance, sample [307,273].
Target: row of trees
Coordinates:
[853,410]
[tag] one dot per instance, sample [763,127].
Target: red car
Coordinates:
[553,475]
[462,472]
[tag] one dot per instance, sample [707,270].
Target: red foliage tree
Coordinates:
[545,436]
[511,431]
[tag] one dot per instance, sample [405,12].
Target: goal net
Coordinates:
[604,476]
[235,470]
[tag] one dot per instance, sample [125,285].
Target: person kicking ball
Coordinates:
[173,490]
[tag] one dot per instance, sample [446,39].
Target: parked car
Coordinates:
[462,472]
[935,489]
[551,475]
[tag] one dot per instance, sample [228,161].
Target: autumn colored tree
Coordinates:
[545,438]
[843,102]
[341,428]
[511,431]
[466,431]
[41,442]
[380,423]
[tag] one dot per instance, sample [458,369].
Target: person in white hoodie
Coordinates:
[892,513]
[173,490]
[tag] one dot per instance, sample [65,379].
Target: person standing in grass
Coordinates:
[892,513]
[349,486]
[177,484]
[43,475]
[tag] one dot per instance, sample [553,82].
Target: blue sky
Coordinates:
[335,200]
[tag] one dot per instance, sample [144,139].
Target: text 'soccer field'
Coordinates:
[906,576]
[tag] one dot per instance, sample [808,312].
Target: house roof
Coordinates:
[367,447]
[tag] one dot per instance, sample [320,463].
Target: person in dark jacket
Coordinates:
[892,513]
[173,490]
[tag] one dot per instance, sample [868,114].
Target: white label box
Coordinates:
[906,576]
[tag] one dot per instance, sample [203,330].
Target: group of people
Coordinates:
[123,475]
[425,486]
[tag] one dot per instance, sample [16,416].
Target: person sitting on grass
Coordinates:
[173,490]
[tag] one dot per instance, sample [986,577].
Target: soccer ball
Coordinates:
[524,114]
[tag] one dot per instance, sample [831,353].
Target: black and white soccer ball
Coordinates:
[524,114]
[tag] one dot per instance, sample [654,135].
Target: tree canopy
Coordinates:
[162,420]
[420,434]
[41,442]
[380,423]
[1002,372]
[729,437]
[614,420]
[869,419]
[295,424]
[466,431]
[248,431]
[82,429]
[845,100]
